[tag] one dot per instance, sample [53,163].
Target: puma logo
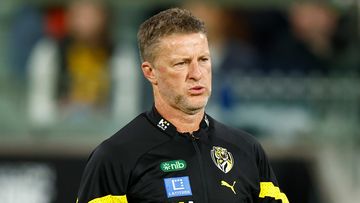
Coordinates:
[224,183]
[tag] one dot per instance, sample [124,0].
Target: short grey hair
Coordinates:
[165,23]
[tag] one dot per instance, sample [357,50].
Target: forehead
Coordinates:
[186,42]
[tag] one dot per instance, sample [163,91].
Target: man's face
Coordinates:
[182,69]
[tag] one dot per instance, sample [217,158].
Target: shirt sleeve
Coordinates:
[269,191]
[104,179]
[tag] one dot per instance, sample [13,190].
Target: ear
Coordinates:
[149,72]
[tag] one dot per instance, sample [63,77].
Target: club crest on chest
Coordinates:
[222,158]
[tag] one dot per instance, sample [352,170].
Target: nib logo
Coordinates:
[174,165]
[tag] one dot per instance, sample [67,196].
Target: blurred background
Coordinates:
[285,71]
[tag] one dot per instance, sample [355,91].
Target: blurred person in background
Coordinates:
[25,32]
[308,46]
[81,74]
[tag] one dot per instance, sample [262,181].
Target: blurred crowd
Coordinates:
[75,69]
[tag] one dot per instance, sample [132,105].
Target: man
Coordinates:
[175,152]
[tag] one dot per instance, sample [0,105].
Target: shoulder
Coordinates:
[234,136]
[131,142]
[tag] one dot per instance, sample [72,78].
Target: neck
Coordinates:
[184,122]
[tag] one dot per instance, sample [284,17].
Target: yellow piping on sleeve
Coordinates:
[110,199]
[268,189]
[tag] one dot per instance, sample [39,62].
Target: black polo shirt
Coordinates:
[149,161]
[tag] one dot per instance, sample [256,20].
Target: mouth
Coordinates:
[197,90]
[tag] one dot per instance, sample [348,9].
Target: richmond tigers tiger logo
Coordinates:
[222,159]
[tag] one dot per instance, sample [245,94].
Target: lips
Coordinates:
[197,90]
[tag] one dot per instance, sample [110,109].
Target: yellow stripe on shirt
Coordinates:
[110,199]
[268,189]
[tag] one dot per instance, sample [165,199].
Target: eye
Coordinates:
[180,63]
[204,59]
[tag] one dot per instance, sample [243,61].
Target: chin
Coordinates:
[191,105]
[196,107]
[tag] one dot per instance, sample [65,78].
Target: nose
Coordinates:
[194,71]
